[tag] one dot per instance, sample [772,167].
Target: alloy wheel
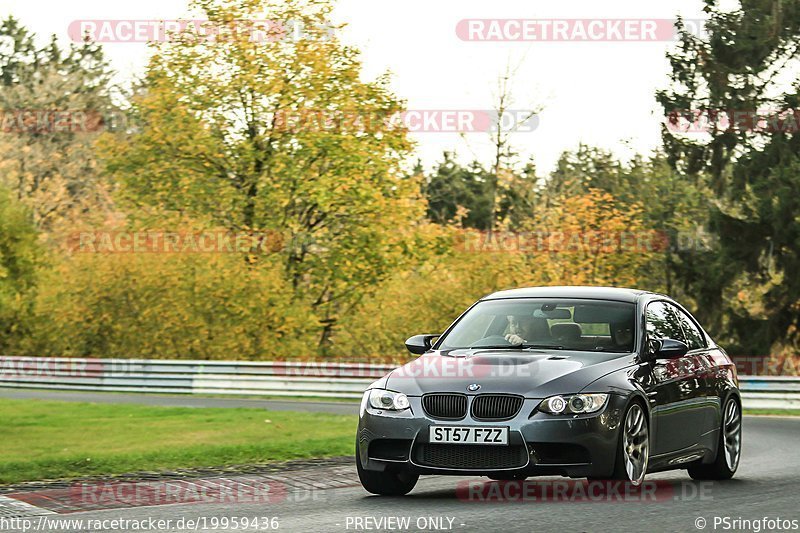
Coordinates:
[732,428]
[635,444]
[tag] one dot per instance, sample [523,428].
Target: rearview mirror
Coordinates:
[419,344]
[554,314]
[668,348]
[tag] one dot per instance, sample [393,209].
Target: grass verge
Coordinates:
[773,412]
[50,439]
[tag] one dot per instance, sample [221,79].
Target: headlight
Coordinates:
[386,399]
[575,404]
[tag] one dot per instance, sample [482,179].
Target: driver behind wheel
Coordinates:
[521,329]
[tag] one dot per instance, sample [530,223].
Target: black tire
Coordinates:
[620,463]
[386,483]
[722,468]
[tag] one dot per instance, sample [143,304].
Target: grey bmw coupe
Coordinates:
[604,383]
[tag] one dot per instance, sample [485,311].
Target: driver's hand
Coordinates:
[515,339]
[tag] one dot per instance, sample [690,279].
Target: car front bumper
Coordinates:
[539,443]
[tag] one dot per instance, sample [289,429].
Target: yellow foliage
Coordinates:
[170,306]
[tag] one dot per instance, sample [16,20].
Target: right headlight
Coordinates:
[389,400]
[574,404]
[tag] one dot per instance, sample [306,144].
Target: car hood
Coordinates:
[530,373]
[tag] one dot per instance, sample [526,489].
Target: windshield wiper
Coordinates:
[517,347]
[550,346]
[493,347]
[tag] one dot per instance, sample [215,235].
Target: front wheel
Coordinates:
[729,446]
[633,452]
[384,483]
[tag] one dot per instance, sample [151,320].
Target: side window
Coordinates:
[661,322]
[694,338]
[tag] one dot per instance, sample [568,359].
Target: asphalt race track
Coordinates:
[764,489]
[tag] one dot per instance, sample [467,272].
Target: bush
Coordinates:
[19,256]
[169,306]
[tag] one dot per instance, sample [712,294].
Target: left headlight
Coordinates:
[389,400]
[575,404]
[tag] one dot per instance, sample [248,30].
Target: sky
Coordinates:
[595,92]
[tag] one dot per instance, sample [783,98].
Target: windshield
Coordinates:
[562,324]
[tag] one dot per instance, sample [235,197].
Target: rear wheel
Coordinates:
[729,446]
[386,483]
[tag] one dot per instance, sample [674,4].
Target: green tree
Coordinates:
[458,193]
[583,168]
[741,66]
[464,194]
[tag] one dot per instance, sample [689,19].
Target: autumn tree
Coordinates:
[53,103]
[20,255]
[669,203]
[589,239]
[275,133]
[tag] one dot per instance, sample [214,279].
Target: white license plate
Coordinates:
[468,435]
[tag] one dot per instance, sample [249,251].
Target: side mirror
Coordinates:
[668,349]
[419,344]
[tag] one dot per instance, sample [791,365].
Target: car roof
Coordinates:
[599,293]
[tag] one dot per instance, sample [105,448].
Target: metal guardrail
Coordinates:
[770,392]
[335,380]
[338,380]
